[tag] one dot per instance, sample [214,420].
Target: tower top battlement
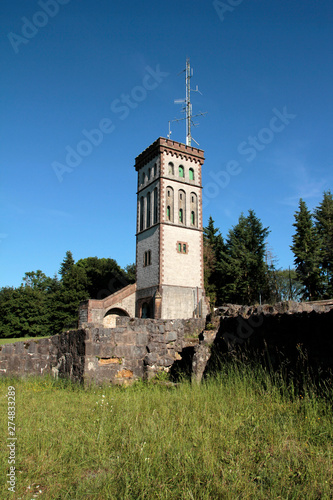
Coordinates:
[177,148]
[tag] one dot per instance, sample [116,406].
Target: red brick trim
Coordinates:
[161,219]
[177,148]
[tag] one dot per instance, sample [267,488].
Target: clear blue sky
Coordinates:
[252,61]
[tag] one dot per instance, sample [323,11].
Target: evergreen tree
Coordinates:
[288,287]
[243,263]
[67,298]
[306,249]
[323,216]
[213,252]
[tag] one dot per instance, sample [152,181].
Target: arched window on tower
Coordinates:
[191,174]
[194,209]
[148,210]
[193,218]
[171,169]
[169,204]
[143,178]
[181,206]
[141,213]
[155,218]
[181,171]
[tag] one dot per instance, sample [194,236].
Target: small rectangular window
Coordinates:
[147,258]
[182,247]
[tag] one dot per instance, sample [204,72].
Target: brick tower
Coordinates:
[169,239]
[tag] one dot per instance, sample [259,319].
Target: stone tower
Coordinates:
[169,239]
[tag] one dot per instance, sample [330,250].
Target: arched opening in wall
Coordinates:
[110,318]
[191,174]
[171,169]
[145,311]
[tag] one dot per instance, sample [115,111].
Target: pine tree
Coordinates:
[72,291]
[306,249]
[323,216]
[243,261]
[213,252]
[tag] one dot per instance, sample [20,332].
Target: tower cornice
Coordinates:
[162,145]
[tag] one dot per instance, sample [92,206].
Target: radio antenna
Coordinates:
[187,105]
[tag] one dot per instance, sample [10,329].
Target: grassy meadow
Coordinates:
[20,339]
[240,435]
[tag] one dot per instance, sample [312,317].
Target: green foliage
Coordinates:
[237,436]
[313,248]
[287,285]
[243,261]
[105,276]
[44,306]
[323,216]
[235,270]
[213,252]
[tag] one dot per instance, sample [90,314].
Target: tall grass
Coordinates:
[241,434]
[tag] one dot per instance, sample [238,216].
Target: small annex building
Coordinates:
[169,241]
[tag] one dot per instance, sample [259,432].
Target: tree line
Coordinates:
[240,269]
[46,306]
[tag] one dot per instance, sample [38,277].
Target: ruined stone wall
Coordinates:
[58,355]
[297,336]
[288,333]
[136,348]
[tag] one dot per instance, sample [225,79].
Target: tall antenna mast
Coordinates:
[188,106]
[188,103]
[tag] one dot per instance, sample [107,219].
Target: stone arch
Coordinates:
[110,317]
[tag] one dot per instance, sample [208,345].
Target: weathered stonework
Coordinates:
[142,348]
[136,348]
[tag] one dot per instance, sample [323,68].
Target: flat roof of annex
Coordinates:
[176,148]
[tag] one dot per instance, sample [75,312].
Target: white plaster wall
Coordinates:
[181,269]
[179,302]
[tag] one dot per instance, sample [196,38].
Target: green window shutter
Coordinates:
[192,218]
